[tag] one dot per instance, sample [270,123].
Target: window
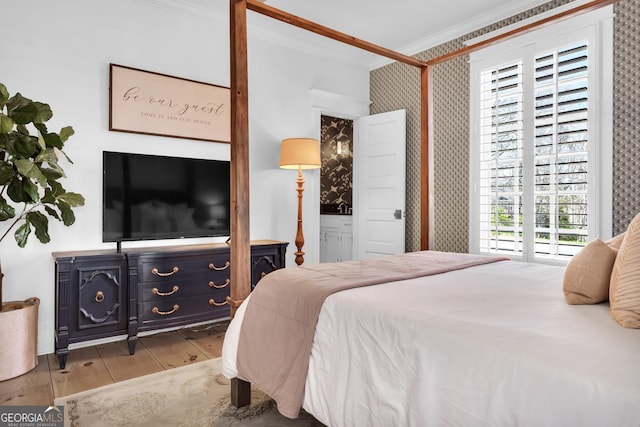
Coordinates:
[541,141]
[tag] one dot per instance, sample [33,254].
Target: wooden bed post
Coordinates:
[240,241]
[426,130]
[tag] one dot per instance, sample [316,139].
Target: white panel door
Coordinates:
[380,184]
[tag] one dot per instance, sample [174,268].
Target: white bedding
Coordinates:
[492,345]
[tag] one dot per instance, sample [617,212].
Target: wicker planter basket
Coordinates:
[18,337]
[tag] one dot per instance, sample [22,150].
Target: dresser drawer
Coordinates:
[172,288]
[163,268]
[181,310]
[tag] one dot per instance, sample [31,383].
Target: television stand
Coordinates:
[103,293]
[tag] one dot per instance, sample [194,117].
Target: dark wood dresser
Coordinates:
[105,293]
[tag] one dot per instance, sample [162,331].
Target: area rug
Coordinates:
[188,396]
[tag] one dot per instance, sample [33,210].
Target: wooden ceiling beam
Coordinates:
[586,7]
[305,24]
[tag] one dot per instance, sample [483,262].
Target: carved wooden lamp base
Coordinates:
[299,235]
[300,153]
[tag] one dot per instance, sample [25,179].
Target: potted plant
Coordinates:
[29,192]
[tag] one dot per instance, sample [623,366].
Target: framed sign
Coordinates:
[157,104]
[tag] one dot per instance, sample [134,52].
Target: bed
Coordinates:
[487,345]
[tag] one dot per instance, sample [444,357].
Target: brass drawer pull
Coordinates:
[224,285]
[171,273]
[99,296]
[217,304]
[155,291]
[214,268]
[156,310]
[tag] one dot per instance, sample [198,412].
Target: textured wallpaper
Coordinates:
[397,86]
[626,114]
[336,173]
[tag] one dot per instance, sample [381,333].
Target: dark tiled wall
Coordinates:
[397,86]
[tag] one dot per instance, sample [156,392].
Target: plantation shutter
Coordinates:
[561,145]
[557,225]
[501,173]
[541,139]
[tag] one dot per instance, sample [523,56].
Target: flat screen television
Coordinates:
[160,197]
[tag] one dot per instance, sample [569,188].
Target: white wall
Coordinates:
[61,56]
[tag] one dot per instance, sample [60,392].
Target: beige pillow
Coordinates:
[624,290]
[587,276]
[616,241]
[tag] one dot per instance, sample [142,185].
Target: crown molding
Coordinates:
[532,19]
[188,9]
[491,17]
[306,44]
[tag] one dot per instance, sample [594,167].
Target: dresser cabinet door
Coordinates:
[100,297]
[94,297]
[91,299]
[265,259]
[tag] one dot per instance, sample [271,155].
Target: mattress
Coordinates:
[491,345]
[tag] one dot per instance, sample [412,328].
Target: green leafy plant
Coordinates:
[29,170]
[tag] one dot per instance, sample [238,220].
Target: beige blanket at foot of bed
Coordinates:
[279,324]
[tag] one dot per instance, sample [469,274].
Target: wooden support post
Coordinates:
[426,137]
[240,241]
[240,393]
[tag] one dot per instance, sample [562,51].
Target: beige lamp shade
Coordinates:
[303,153]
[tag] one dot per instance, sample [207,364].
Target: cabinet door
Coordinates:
[260,267]
[346,239]
[346,247]
[90,298]
[330,244]
[100,297]
[324,253]
[264,260]
[336,238]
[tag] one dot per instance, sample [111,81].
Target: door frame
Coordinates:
[325,103]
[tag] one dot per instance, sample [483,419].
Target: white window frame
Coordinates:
[597,28]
